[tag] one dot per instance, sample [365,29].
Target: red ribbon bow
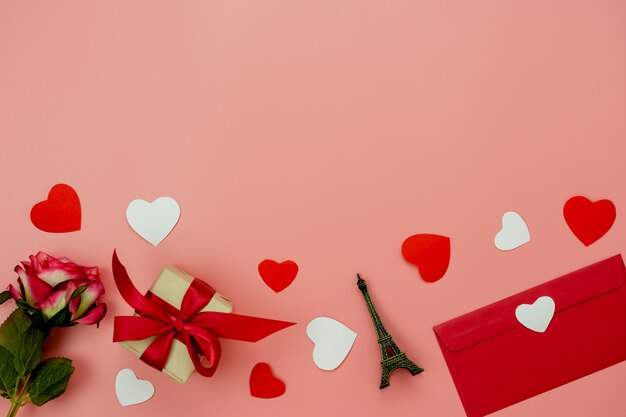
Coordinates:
[199,331]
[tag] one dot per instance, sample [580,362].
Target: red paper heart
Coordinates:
[430,253]
[60,213]
[278,276]
[588,220]
[263,384]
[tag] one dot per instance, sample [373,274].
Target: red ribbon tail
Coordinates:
[237,326]
[204,350]
[131,295]
[157,353]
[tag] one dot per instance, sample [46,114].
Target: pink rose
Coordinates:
[64,292]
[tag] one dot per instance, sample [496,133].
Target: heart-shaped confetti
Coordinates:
[130,390]
[514,232]
[333,341]
[60,213]
[263,384]
[154,220]
[430,253]
[538,315]
[278,276]
[588,220]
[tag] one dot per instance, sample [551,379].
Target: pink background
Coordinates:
[325,132]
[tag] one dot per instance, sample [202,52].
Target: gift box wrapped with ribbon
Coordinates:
[179,321]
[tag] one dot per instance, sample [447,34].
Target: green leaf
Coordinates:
[49,380]
[8,374]
[12,329]
[78,291]
[29,350]
[5,295]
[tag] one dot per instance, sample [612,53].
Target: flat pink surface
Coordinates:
[324,132]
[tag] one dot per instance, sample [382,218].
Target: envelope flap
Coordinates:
[566,291]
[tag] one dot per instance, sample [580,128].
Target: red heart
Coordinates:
[278,276]
[588,220]
[263,384]
[59,213]
[430,253]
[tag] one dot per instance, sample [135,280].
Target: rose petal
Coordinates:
[14,293]
[94,315]
[92,272]
[35,290]
[65,260]
[55,276]
[57,300]
[39,261]
[94,290]
[73,306]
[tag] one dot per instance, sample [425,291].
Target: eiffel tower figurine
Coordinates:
[392,357]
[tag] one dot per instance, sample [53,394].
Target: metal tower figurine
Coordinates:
[392,357]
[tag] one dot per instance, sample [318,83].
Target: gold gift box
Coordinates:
[171,286]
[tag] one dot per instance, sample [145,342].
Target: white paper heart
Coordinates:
[514,232]
[538,315]
[153,221]
[130,390]
[332,341]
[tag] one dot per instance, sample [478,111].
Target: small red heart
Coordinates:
[263,384]
[60,213]
[588,220]
[278,276]
[430,253]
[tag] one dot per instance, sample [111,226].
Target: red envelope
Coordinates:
[496,362]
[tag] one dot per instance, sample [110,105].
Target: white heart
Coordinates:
[536,316]
[153,221]
[514,232]
[332,341]
[130,390]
